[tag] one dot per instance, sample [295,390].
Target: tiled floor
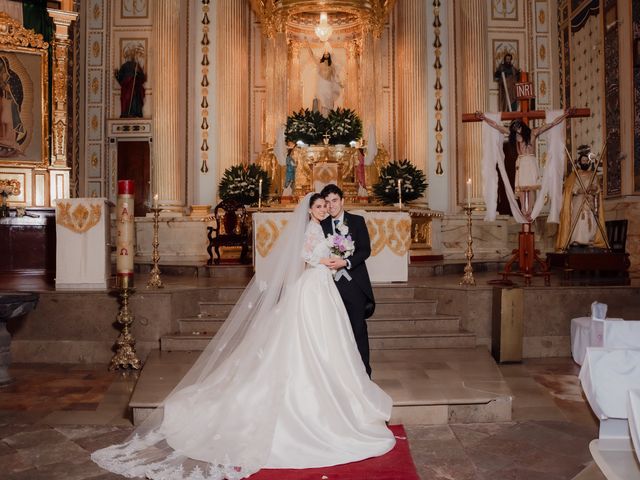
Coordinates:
[53,416]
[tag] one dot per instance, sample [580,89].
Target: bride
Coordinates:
[282,385]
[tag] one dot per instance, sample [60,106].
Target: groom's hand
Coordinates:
[337,263]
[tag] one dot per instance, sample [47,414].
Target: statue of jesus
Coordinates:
[328,85]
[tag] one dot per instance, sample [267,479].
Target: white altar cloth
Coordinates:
[634,419]
[82,254]
[390,234]
[592,332]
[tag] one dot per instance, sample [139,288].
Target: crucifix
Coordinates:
[526,254]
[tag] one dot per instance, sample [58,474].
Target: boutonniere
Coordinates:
[342,228]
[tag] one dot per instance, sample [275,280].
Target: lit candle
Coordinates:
[400,192]
[260,193]
[155,201]
[469,193]
[125,239]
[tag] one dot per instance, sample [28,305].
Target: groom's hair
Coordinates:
[331,188]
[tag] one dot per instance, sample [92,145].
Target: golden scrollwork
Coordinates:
[12,33]
[13,183]
[399,235]
[377,234]
[79,219]
[267,233]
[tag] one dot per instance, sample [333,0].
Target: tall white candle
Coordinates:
[125,236]
[469,193]
[155,201]
[400,192]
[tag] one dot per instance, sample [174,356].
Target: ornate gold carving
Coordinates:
[267,234]
[398,235]
[95,49]
[95,85]
[377,235]
[13,183]
[12,33]
[81,219]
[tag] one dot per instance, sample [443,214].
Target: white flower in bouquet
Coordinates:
[341,246]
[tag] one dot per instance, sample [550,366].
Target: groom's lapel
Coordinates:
[326,226]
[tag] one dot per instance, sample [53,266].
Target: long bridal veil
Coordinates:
[201,430]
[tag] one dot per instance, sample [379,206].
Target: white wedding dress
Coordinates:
[293,393]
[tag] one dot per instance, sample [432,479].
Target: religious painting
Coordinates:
[133,13]
[542,17]
[23,106]
[503,47]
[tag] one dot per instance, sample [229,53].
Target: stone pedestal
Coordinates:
[12,305]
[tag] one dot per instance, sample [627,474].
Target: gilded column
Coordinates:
[295,85]
[233,83]
[351,90]
[168,170]
[473,93]
[280,84]
[412,82]
[59,109]
[367,82]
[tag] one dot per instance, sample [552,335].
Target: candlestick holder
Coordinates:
[468,279]
[154,278]
[125,356]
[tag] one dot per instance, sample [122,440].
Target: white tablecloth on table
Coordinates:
[612,332]
[390,234]
[607,375]
[634,419]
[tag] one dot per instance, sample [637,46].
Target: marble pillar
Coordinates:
[167,162]
[412,44]
[473,92]
[233,83]
[295,85]
[277,84]
[351,88]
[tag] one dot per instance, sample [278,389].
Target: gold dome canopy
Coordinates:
[347,17]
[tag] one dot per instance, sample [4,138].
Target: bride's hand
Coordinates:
[325,261]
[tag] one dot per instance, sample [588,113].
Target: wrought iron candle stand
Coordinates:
[125,356]
[154,278]
[468,279]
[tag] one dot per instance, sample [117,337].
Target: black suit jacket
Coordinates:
[358,271]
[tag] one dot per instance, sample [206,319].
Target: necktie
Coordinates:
[336,222]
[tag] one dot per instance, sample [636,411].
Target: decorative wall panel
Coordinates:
[612,103]
[636,83]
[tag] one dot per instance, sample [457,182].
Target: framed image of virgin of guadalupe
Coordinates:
[24,110]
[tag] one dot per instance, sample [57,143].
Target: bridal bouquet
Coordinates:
[341,245]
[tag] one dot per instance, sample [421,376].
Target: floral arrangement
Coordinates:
[344,126]
[341,125]
[242,183]
[341,245]
[413,185]
[306,126]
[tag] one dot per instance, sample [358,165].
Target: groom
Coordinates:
[356,293]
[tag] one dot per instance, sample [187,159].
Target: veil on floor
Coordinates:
[242,444]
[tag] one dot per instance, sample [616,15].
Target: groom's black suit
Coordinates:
[356,294]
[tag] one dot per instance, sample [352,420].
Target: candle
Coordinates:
[155,201]
[125,238]
[400,192]
[260,193]
[469,193]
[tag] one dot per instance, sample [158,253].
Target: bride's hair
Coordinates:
[313,198]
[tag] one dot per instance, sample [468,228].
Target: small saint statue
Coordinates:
[290,173]
[507,75]
[131,78]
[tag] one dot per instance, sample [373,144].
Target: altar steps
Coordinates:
[400,322]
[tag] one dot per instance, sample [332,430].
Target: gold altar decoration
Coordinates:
[467,278]
[11,183]
[125,356]
[81,219]
[301,16]
[267,234]
[154,276]
[391,233]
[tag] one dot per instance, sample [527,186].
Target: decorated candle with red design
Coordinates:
[125,232]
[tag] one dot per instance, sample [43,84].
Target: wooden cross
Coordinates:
[526,254]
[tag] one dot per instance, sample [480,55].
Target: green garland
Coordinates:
[342,125]
[414,182]
[240,183]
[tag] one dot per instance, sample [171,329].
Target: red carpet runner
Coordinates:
[395,465]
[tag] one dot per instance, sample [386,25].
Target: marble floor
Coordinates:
[53,416]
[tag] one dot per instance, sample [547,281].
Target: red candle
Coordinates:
[125,239]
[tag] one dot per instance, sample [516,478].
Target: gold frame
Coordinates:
[14,38]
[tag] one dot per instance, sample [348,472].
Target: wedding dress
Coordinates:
[281,386]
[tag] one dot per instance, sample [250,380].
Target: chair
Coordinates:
[617,234]
[230,230]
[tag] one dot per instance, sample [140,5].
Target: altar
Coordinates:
[389,231]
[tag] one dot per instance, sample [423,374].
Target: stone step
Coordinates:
[423,324]
[384,291]
[383,340]
[404,307]
[385,307]
[416,341]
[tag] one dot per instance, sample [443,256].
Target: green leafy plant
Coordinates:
[344,126]
[414,182]
[241,183]
[307,126]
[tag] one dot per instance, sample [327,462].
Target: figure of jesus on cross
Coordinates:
[527,181]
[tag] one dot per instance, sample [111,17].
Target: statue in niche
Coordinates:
[290,172]
[328,85]
[507,75]
[131,78]
[12,129]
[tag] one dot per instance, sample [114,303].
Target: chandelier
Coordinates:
[323,29]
